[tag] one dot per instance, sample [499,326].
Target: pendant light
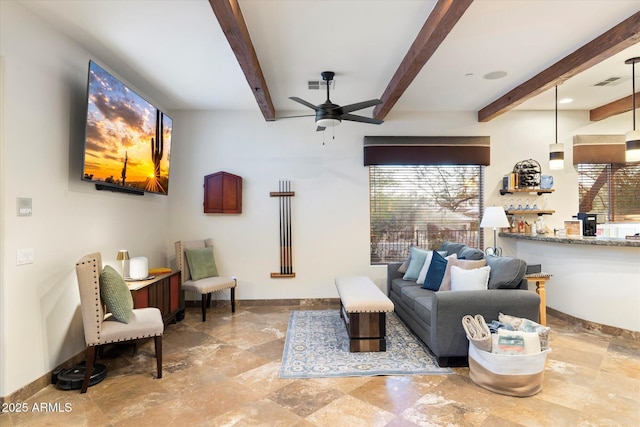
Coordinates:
[632,144]
[556,151]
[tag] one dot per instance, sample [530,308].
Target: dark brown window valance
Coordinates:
[598,149]
[426,150]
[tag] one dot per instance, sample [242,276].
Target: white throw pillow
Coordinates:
[425,268]
[469,280]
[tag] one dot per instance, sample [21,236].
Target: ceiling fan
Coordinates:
[329,114]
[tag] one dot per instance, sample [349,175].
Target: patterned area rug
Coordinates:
[317,346]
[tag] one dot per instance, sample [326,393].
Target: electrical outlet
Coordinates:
[25,256]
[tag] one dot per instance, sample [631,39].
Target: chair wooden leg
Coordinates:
[204,307]
[158,341]
[233,300]
[209,299]
[90,355]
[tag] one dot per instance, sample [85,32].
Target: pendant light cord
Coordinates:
[633,92]
[556,114]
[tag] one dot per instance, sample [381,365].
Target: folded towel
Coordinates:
[477,331]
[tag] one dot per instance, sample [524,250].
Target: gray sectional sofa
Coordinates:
[436,316]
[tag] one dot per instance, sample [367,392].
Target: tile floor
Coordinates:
[225,373]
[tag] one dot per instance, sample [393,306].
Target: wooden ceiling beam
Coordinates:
[614,108]
[615,40]
[235,29]
[440,22]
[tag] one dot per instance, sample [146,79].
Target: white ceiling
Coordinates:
[175,52]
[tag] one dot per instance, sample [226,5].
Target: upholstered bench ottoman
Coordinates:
[363,307]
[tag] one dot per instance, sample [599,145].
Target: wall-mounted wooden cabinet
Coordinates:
[223,193]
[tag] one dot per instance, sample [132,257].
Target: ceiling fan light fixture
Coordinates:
[632,139]
[328,123]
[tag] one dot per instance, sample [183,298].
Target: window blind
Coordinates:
[423,206]
[610,189]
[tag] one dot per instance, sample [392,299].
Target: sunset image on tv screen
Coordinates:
[128,140]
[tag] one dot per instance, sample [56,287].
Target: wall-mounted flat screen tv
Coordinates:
[127,139]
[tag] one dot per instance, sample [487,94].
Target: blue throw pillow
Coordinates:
[436,272]
[418,256]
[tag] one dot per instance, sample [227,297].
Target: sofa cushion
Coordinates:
[470,253]
[506,272]
[415,264]
[462,263]
[422,308]
[425,268]
[399,283]
[409,294]
[436,272]
[451,247]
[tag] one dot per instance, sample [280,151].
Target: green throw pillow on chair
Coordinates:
[115,295]
[201,263]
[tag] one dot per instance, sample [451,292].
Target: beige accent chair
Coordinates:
[100,328]
[205,287]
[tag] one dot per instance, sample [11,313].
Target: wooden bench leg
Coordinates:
[367,331]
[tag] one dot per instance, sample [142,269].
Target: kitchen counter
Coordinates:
[596,279]
[577,240]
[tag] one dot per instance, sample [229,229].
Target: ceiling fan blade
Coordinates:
[303,102]
[361,119]
[360,105]
[320,128]
[294,117]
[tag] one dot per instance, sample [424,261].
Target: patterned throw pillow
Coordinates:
[115,294]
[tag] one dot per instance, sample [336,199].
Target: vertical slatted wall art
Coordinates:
[285,194]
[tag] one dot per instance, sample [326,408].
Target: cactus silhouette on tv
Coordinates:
[157,148]
[127,139]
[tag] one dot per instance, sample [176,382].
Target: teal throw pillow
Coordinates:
[201,263]
[417,256]
[436,272]
[115,294]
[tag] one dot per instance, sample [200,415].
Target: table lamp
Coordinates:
[494,217]
[123,255]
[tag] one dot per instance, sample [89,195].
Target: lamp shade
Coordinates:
[123,254]
[556,156]
[632,146]
[494,217]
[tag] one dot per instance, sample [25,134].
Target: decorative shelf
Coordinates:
[540,191]
[530,212]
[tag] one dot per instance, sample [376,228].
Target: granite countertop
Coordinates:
[577,240]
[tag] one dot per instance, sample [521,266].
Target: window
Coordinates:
[423,206]
[610,189]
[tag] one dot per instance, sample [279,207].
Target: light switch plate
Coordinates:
[23,206]
[24,256]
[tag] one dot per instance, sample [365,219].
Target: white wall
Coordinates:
[595,283]
[331,206]
[45,78]
[41,129]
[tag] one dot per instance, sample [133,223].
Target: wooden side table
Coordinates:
[163,291]
[541,280]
